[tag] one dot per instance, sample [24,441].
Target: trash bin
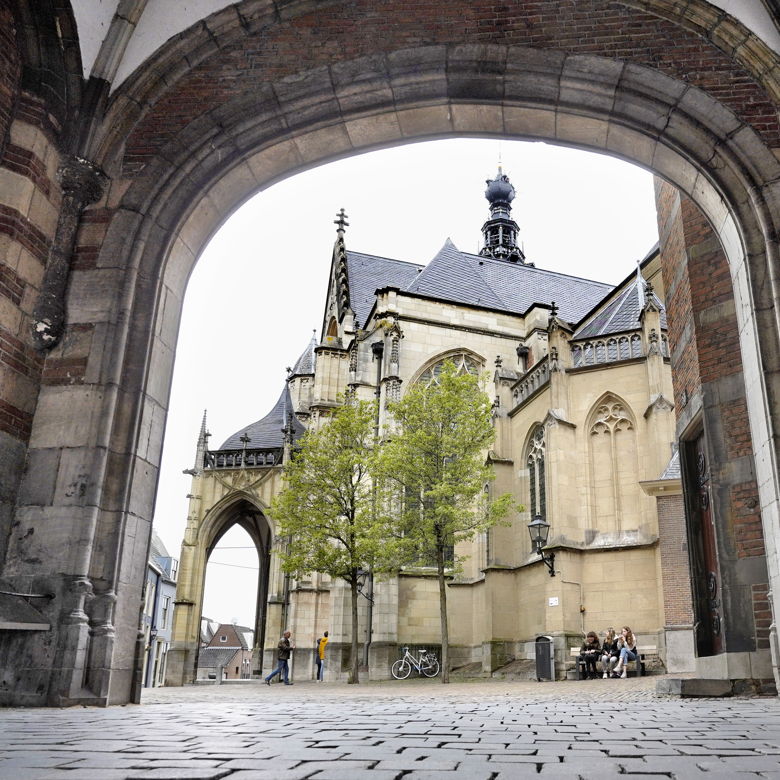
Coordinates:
[545,658]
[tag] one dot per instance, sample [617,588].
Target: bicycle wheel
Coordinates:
[401,669]
[431,667]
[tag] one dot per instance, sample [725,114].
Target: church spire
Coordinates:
[500,231]
[200,449]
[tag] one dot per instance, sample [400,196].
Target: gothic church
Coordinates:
[584,424]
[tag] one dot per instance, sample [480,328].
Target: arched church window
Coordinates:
[463,363]
[537,502]
[614,465]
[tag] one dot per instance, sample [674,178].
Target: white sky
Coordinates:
[259,288]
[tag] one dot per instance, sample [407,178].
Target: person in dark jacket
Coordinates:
[609,653]
[283,650]
[589,654]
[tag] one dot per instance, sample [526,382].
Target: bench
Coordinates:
[639,664]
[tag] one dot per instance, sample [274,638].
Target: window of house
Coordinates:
[165,611]
[223,638]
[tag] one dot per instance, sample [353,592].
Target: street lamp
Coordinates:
[364,577]
[539,531]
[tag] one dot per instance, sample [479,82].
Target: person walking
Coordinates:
[321,642]
[283,650]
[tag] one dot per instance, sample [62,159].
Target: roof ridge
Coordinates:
[388,259]
[528,266]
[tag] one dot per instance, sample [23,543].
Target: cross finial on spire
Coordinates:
[244,439]
[341,221]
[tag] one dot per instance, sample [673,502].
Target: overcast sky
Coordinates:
[258,290]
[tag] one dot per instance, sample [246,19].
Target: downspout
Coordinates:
[378,350]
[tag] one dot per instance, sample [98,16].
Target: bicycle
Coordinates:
[426,664]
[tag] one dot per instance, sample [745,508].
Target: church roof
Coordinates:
[453,276]
[368,273]
[469,279]
[306,362]
[620,314]
[267,432]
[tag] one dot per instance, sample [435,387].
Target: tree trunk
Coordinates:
[354,663]
[445,636]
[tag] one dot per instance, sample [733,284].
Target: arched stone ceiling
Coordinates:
[141,27]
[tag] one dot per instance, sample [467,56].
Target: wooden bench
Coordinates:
[639,664]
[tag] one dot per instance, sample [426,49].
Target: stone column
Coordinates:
[82,183]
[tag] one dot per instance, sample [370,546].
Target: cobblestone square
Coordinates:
[415,730]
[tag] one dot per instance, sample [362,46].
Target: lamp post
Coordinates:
[366,576]
[539,531]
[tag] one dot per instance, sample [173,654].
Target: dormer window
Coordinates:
[223,638]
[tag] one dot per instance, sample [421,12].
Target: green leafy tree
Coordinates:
[437,461]
[327,507]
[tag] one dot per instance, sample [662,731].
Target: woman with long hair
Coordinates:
[627,647]
[609,652]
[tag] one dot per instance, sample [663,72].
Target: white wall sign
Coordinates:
[552,601]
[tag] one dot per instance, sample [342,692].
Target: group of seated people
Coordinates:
[613,654]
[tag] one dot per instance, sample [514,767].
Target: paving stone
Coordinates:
[464,730]
[337,773]
[270,774]
[466,774]
[177,774]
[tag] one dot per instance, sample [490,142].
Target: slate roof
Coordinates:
[454,276]
[621,314]
[307,361]
[469,279]
[368,273]
[672,470]
[157,550]
[267,432]
[212,657]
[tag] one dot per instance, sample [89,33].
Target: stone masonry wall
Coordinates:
[29,202]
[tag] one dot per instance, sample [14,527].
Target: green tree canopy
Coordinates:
[437,459]
[327,507]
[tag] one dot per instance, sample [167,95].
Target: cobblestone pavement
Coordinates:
[415,730]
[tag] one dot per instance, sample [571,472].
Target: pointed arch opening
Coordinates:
[614,463]
[236,523]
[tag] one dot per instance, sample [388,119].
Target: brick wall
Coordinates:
[10,71]
[707,364]
[673,548]
[272,49]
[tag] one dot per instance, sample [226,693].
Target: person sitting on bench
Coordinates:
[609,652]
[589,654]
[628,652]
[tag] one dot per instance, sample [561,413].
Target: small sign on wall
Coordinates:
[552,601]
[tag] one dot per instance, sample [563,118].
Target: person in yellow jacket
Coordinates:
[320,657]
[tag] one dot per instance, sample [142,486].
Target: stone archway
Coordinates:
[178,171]
[204,531]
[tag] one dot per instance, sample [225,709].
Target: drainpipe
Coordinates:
[378,350]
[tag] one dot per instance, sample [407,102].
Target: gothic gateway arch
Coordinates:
[127,138]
